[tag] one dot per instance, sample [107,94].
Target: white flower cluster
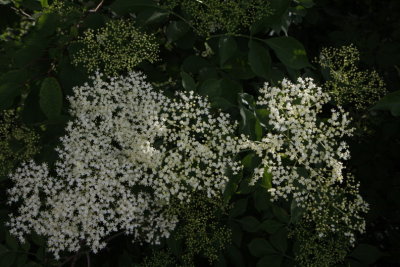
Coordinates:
[304,155]
[127,154]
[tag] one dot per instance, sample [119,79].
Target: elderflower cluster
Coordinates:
[129,152]
[117,47]
[209,16]
[348,84]
[304,155]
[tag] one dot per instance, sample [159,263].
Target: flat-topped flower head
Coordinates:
[304,152]
[128,152]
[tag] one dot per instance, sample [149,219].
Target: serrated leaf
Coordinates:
[8,92]
[249,224]
[236,257]
[272,260]
[151,16]
[261,199]
[296,212]
[278,9]
[194,64]
[390,102]
[366,253]
[237,234]
[3,249]
[50,98]
[306,3]
[271,226]
[11,242]
[239,208]
[7,259]
[279,240]
[176,30]
[231,186]
[281,214]
[28,55]
[259,59]
[289,51]
[266,180]
[122,7]
[227,48]
[210,88]
[188,82]
[259,247]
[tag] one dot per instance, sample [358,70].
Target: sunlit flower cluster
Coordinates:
[117,47]
[305,156]
[348,84]
[129,152]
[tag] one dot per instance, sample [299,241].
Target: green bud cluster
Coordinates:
[117,47]
[200,231]
[314,251]
[229,16]
[17,142]
[348,85]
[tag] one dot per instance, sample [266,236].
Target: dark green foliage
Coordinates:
[276,39]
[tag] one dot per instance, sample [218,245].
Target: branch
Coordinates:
[97,7]
[22,12]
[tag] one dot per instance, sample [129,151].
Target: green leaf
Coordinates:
[11,242]
[210,88]
[176,30]
[237,233]
[296,212]
[249,224]
[8,92]
[279,240]
[306,3]
[44,3]
[230,89]
[278,8]
[280,214]
[266,180]
[151,16]
[21,260]
[261,199]
[3,249]
[194,64]
[221,103]
[188,82]
[239,208]
[227,48]
[271,226]
[390,102]
[259,59]
[270,261]
[236,257]
[30,4]
[289,51]
[47,24]
[122,7]
[125,259]
[94,21]
[366,253]
[231,186]
[28,55]
[247,122]
[259,247]
[7,259]
[50,98]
